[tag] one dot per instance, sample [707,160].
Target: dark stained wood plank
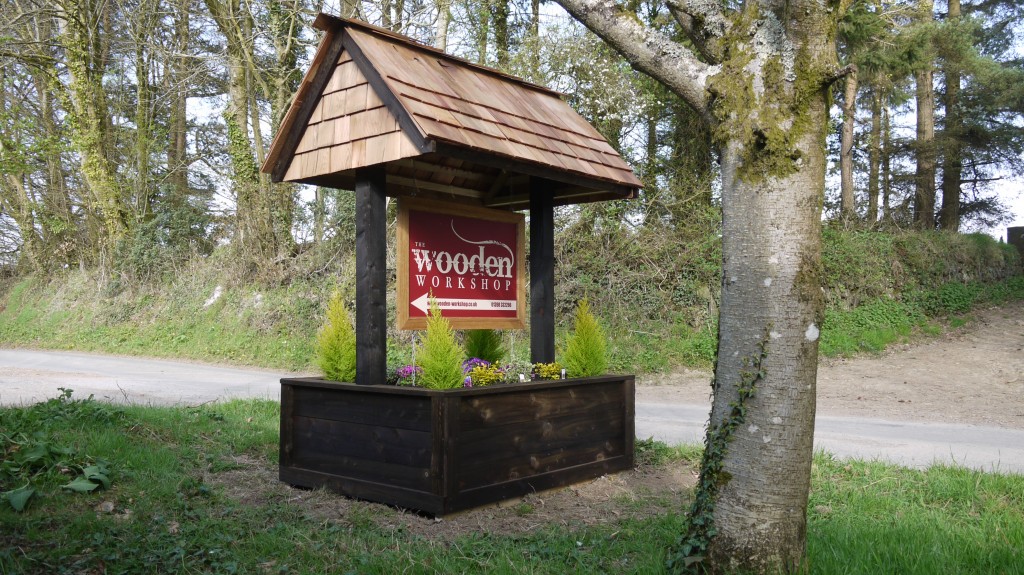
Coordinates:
[555,457]
[368,490]
[371,276]
[452,467]
[470,498]
[371,442]
[528,440]
[542,272]
[352,406]
[512,408]
[286,430]
[392,474]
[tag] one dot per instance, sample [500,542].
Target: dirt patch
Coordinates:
[971,375]
[646,491]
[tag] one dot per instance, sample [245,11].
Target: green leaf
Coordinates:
[18,498]
[98,474]
[36,452]
[81,485]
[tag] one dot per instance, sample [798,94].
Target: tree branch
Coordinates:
[647,50]
[839,74]
[704,24]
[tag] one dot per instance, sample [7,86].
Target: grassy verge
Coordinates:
[654,293]
[165,512]
[876,323]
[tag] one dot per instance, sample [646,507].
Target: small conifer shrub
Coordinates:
[484,344]
[336,343]
[585,352]
[441,356]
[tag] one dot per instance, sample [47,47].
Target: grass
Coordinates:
[169,516]
[873,517]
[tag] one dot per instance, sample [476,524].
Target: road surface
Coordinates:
[30,376]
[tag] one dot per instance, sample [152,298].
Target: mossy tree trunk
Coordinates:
[253,230]
[765,96]
[85,39]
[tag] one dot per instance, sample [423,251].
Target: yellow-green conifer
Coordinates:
[336,343]
[441,356]
[585,352]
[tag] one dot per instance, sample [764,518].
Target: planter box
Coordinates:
[444,451]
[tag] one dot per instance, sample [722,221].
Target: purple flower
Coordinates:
[407,371]
[468,382]
[469,364]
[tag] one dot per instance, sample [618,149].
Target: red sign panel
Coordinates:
[469,259]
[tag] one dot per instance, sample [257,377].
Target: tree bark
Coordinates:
[85,46]
[177,122]
[769,118]
[874,153]
[444,17]
[924,183]
[143,23]
[502,40]
[847,207]
[253,230]
[886,166]
[952,162]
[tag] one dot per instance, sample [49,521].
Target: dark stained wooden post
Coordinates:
[542,272]
[371,277]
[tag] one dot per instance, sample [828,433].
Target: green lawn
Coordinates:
[192,490]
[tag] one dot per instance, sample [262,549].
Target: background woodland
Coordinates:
[131,133]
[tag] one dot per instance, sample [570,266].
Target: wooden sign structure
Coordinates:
[468,259]
[385,116]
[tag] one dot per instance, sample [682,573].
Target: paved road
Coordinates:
[30,376]
[910,444]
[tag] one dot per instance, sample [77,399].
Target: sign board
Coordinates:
[468,258]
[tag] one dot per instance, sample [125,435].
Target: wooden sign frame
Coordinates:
[405,206]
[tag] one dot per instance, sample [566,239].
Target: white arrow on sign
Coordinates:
[422,303]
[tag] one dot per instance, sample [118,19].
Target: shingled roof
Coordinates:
[443,126]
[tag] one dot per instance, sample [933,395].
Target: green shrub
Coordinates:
[585,352]
[869,327]
[441,356]
[336,343]
[951,297]
[484,344]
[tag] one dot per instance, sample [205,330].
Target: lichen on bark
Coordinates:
[761,96]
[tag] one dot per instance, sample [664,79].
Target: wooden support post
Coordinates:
[371,276]
[542,272]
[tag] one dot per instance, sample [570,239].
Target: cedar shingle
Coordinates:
[445,99]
